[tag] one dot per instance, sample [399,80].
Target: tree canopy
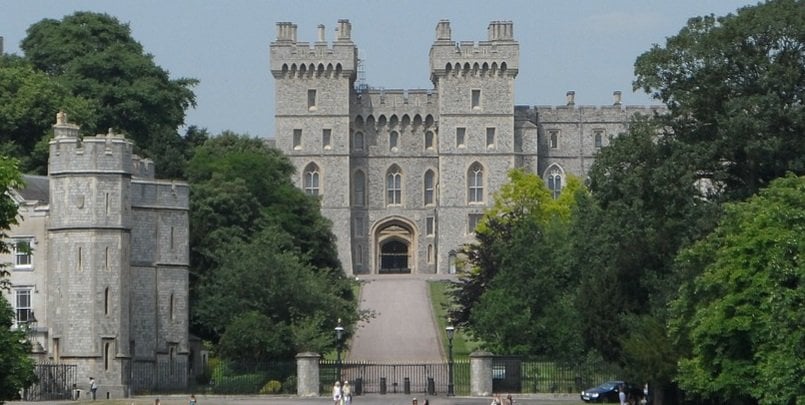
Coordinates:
[261,252]
[92,56]
[518,272]
[742,313]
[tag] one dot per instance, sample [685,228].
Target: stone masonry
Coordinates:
[404,175]
[109,280]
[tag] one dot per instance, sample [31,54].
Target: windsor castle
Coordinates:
[405,175]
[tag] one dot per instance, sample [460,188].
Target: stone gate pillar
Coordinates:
[481,373]
[307,374]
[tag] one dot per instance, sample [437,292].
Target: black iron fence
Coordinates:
[160,376]
[382,378]
[535,375]
[55,381]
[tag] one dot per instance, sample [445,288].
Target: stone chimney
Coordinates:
[443,30]
[320,30]
[616,97]
[571,98]
[1,45]
[344,30]
[500,31]
[63,129]
[286,32]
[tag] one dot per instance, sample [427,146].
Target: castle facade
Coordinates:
[99,265]
[405,175]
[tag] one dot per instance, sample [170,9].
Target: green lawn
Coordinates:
[463,344]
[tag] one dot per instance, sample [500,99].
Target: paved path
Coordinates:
[403,329]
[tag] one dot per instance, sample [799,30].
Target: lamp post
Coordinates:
[339,334]
[450,331]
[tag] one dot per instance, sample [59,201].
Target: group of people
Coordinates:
[342,394]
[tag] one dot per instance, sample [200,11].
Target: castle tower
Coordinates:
[314,85]
[477,139]
[89,234]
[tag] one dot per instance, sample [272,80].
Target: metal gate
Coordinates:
[380,378]
[54,382]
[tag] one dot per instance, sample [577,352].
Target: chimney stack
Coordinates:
[571,98]
[344,30]
[321,33]
[616,98]
[443,30]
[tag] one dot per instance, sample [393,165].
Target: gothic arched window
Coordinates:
[555,181]
[475,183]
[311,179]
[394,186]
[430,186]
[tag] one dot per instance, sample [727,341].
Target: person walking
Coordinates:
[622,394]
[346,393]
[93,387]
[192,400]
[337,393]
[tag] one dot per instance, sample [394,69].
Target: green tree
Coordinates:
[643,207]
[16,368]
[742,315]
[519,271]
[262,232]
[734,86]
[29,101]
[94,57]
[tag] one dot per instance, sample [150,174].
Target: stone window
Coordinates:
[476,99]
[23,307]
[23,254]
[430,185]
[311,100]
[297,139]
[394,186]
[358,189]
[394,139]
[430,226]
[326,135]
[553,136]
[598,135]
[472,222]
[311,179]
[429,140]
[475,183]
[430,254]
[490,138]
[357,141]
[357,226]
[106,301]
[107,353]
[359,256]
[460,134]
[555,181]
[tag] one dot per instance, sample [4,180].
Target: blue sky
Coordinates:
[582,45]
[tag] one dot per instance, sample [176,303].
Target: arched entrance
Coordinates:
[394,251]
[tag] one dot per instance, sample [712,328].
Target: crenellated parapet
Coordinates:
[293,59]
[499,55]
[167,194]
[70,153]
[405,106]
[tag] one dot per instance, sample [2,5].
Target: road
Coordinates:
[403,329]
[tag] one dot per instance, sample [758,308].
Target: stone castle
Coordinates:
[99,264]
[405,175]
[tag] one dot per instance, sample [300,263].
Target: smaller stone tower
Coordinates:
[89,235]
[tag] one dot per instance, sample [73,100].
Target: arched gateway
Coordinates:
[394,247]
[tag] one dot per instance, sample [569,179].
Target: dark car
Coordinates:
[608,392]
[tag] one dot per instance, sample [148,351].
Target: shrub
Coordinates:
[271,387]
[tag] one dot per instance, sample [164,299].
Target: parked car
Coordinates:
[608,392]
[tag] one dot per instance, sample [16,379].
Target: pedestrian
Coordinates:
[156,401]
[509,400]
[622,394]
[346,392]
[192,400]
[496,400]
[93,387]
[337,393]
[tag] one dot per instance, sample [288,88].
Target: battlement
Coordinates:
[110,152]
[397,99]
[160,194]
[292,58]
[499,55]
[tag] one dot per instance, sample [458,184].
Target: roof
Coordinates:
[36,188]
